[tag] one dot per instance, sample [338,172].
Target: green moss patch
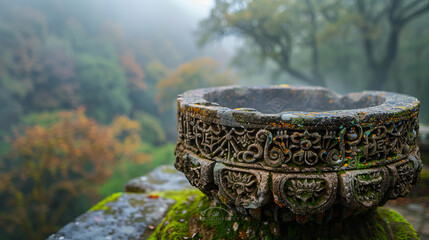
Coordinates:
[175,224]
[195,216]
[102,204]
[400,227]
[424,175]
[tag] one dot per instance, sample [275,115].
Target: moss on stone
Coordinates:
[400,227]
[175,223]
[102,204]
[424,175]
[195,216]
[177,195]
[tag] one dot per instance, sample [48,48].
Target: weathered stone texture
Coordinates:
[302,152]
[162,178]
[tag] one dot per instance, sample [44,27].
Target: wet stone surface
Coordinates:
[131,215]
[161,179]
[127,217]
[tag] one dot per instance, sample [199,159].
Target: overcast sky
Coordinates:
[199,7]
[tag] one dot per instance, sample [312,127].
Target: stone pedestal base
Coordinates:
[197,217]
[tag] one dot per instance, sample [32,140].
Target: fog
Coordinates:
[88,88]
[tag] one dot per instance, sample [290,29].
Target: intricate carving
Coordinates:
[305,194]
[303,190]
[277,155]
[199,172]
[403,175]
[239,184]
[403,183]
[366,152]
[240,187]
[324,149]
[305,145]
[364,188]
[367,185]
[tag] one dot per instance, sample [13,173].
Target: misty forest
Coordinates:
[88,88]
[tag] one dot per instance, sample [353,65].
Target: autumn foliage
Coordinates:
[49,168]
[133,71]
[199,73]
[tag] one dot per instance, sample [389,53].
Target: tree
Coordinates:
[133,71]
[199,73]
[287,32]
[151,128]
[397,15]
[103,88]
[51,168]
[22,30]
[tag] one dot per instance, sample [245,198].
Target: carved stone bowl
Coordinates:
[298,153]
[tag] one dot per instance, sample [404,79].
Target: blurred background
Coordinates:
[88,88]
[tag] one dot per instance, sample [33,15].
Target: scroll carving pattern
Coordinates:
[347,147]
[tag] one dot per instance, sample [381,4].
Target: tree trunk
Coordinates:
[379,77]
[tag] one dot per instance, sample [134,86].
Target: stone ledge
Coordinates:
[136,215]
[162,178]
[129,215]
[120,216]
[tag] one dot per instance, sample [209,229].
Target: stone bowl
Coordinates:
[298,153]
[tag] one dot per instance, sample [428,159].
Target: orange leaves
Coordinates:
[79,145]
[153,196]
[133,71]
[70,157]
[128,132]
[202,72]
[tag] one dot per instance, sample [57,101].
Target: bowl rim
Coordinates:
[395,107]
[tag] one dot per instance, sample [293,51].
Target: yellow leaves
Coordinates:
[142,158]
[347,22]
[77,149]
[202,72]
[4,181]
[122,123]
[127,132]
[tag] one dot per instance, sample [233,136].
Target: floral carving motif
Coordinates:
[367,186]
[306,144]
[304,189]
[240,184]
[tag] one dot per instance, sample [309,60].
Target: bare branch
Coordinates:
[415,14]
[409,7]
[283,60]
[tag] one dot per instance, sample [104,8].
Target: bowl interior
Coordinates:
[276,100]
